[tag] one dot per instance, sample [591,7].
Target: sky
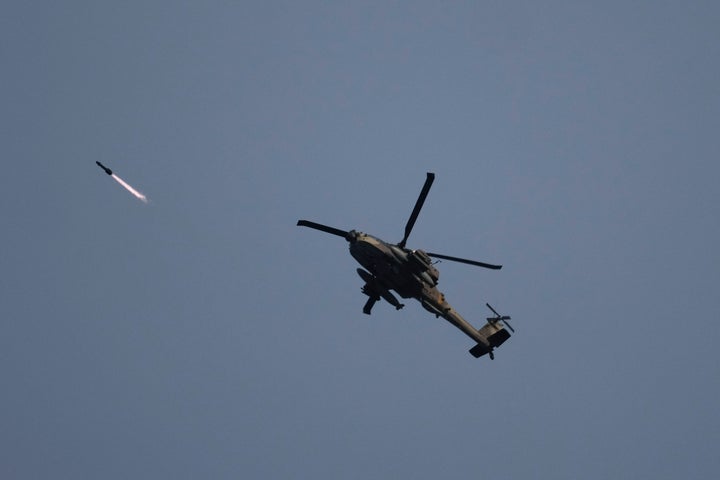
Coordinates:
[205,335]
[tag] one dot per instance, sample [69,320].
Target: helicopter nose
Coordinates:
[363,248]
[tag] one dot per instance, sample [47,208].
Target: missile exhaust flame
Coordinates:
[130,189]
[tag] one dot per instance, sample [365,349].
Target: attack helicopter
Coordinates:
[412,274]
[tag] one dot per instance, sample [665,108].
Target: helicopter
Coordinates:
[412,274]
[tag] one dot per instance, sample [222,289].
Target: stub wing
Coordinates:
[375,290]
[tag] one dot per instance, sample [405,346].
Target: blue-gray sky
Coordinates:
[204,335]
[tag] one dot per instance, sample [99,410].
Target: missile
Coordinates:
[107,170]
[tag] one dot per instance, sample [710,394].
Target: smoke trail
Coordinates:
[130,189]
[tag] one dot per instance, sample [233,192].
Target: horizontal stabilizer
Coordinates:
[499,337]
[479,350]
[495,334]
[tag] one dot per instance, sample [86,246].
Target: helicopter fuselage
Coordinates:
[393,266]
[411,274]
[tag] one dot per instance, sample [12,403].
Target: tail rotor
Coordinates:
[499,318]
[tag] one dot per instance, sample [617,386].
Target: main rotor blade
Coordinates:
[465,260]
[324,228]
[418,206]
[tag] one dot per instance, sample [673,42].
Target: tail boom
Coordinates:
[489,337]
